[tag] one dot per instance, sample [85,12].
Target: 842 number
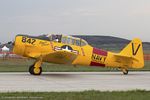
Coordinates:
[28,40]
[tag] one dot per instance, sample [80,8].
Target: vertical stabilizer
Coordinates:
[135,50]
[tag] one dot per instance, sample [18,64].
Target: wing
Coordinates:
[61,57]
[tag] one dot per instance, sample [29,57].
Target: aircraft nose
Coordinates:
[18,46]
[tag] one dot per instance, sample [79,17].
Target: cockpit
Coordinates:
[67,40]
[60,39]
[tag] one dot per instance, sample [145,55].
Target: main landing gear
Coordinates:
[36,68]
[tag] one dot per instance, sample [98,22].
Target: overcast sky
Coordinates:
[119,18]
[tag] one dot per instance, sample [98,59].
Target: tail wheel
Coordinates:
[35,71]
[125,71]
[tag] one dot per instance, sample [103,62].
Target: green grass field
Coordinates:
[86,95]
[23,65]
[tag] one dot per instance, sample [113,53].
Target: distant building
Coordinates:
[5,49]
[5,52]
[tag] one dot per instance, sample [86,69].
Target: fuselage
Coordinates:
[33,47]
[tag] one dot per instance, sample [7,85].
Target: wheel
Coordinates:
[125,71]
[35,71]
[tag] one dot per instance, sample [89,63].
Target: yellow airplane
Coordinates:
[62,49]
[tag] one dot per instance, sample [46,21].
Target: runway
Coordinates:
[74,81]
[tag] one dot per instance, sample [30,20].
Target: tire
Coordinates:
[31,68]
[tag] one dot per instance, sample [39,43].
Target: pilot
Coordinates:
[56,38]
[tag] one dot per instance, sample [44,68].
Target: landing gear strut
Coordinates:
[125,71]
[36,68]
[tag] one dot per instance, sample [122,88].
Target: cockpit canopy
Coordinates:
[60,39]
[67,40]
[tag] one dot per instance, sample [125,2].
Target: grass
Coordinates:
[85,95]
[23,65]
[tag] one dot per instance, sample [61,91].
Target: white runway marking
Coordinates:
[74,81]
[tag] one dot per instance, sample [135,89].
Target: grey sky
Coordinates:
[120,18]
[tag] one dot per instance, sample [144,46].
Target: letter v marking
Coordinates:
[134,52]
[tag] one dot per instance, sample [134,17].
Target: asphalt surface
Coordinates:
[74,81]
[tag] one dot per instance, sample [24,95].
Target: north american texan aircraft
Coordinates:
[63,49]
